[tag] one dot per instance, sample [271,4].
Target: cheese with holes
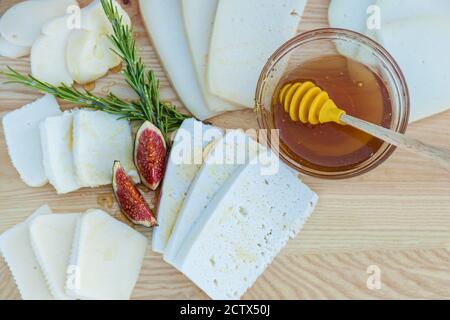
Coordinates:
[106,260]
[185,159]
[230,152]
[57,149]
[243,229]
[99,139]
[15,247]
[51,239]
[21,128]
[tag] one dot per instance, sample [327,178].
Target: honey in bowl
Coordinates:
[354,88]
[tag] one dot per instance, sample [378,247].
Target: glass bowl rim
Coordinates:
[330,34]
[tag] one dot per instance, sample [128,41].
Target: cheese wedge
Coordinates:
[245,35]
[107,258]
[228,154]
[99,139]
[57,148]
[22,136]
[198,17]
[21,24]
[51,239]
[243,229]
[185,160]
[426,66]
[164,22]
[15,247]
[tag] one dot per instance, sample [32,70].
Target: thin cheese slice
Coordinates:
[164,22]
[185,160]
[22,136]
[245,35]
[198,16]
[106,260]
[426,67]
[15,247]
[230,152]
[99,139]
[243,229]
[51,239]
[57,149]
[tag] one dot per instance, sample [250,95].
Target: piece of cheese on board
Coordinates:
[245,35]
[12,51]
[185,159]
[21,128]
[15,247]
[426,67]
[164,22]
[243,229]
[106,259]
[51,239]
[57,148]
[227,155]
[99,139]
[198,16]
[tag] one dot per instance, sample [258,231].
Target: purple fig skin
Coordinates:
[130,200]
[150,154]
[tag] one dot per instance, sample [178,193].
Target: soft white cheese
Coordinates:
[106,260]
[22,136]
[57,149]
[185,160]
[243,229]
[51,239]
[227,155]
[15,247]
[245,35]
[99,139]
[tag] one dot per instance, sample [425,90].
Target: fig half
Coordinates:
[130,200]
[150,155]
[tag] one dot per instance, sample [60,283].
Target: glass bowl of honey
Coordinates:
[359,75]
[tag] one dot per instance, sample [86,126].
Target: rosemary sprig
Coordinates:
[143,83]
[110,103]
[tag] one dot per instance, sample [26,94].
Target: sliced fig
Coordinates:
[150,155]
[130,200]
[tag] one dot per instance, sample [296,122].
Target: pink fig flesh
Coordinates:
[150,155]
[130,200]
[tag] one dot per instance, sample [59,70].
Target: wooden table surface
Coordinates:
[395,219]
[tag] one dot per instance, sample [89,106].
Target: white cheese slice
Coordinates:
[21,128]
[426,66]
[164,22]
[185,160]
[48,53]
[99,139]
[107,258]
[243,229]
[245,35]
[51,239]
[198,16]
[15,247]
[22,23]
[57,148]
[228,154]
[12,51]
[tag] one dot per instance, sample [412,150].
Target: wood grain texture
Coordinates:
[397,217]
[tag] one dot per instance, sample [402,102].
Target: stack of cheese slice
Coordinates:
[73,256]
[73,149]
[214,50]
[223,221]
[424,62]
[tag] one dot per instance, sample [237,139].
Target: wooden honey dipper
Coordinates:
[306,102]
